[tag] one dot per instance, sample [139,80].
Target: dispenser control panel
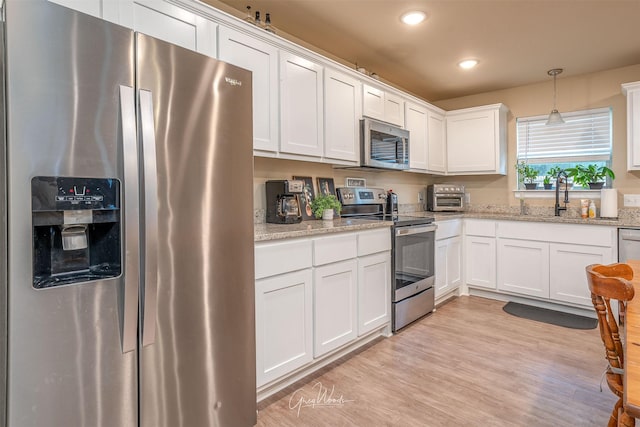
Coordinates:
[65,193]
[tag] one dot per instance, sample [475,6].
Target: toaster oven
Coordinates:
[445,198]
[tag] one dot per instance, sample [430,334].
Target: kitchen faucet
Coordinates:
[566,193]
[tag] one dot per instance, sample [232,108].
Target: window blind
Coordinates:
[585,136]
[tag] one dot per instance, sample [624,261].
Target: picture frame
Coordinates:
[307,196]
[326,186]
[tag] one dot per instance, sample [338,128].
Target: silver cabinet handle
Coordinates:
[129,299]
[150,176]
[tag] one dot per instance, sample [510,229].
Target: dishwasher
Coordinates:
[628,244]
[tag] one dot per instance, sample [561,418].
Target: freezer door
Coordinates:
[197,366]
[66,365]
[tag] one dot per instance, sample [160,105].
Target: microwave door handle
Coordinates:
[129,300]
[150,174]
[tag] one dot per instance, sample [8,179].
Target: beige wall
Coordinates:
[405,184]
[574,93]
[595,90]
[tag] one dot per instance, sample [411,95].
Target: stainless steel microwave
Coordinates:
[383,145]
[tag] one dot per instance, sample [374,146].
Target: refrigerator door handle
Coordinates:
[150,176]
[129,299]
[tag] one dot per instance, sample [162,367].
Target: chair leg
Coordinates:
[613,420]
[625,420]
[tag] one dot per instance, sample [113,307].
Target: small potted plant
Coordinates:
[590,176]
[527,174]
[324,205]
[551,175]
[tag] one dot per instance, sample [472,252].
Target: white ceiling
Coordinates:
[516,41]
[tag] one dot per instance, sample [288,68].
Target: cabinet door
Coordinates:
[472,142]
[454,262]
[393,109]
[372,102]
[284,315]
[436,147]
[448,259]
[343,109]
[262,60]
[523,267]
[567,270]
[89,7]
[335,306]
[441,284]
[374,291]
[301,106]
[172,24]
[416,124]
[480,257]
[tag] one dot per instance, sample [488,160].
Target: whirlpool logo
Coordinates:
[233,82]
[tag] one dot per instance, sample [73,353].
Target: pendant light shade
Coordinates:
[554,117]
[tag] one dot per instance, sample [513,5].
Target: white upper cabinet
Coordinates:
[342,112]
[262,60]
[381,105]
[416,123]
[301,106]
[632,90]
[477,140]
[436,142]
[90,7]
[393,109]
[172,24]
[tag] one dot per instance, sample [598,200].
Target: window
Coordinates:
[584,138]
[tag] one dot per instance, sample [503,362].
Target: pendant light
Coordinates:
[554,117]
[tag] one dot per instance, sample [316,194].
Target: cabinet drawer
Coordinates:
[448,229]
[371,242]
[480,227]
[577,234]
[282,257]
[334,248]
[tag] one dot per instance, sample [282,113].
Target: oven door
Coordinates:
[449,202]
[414,260]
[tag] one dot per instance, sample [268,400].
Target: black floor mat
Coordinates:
[550,316]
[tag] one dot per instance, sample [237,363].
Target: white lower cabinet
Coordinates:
[523,267]
[334,306]
[315,297]
[448,257]
[374,292]
[567,270]
[480,260]
[284,324]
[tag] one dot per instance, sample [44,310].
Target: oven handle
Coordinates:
[407,231]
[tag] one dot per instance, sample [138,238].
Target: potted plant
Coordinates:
[527,174]
[324,205]
[551,175]
[590,176]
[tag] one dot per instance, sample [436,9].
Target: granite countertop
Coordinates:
[615,222]
[265,232]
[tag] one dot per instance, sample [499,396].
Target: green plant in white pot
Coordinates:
[323,206]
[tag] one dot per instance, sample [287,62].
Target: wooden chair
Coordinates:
[607,282]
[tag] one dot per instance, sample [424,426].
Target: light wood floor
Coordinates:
[468,364]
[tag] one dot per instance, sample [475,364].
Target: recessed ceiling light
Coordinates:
[413,18]
[467,64]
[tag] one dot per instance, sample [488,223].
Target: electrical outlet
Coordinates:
[467,198]
[632,200]
[420,197]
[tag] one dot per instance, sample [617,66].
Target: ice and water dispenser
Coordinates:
[76,230]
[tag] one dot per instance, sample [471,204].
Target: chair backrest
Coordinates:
[608,282]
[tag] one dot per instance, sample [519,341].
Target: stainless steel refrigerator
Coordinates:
[127,237]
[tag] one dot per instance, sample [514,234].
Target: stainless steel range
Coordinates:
[412,257]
